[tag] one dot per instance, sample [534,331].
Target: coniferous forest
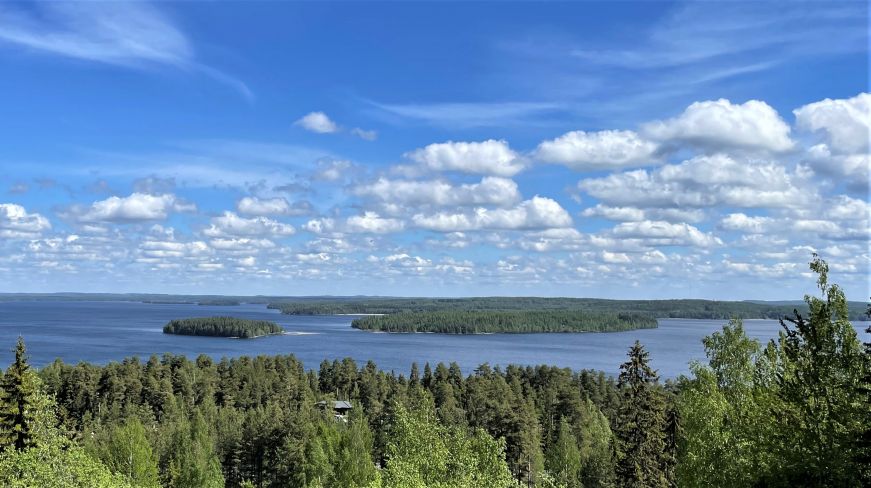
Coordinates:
[513,321]
[222,327]
[793,412]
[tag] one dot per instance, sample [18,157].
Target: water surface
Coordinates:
[100,332]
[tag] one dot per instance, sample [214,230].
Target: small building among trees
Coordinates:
[340,408]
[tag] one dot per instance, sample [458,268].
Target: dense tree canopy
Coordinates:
[688,309]
[222,327]
[515,321]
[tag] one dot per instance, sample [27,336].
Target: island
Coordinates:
[682,308]
[222,327]
[505,321]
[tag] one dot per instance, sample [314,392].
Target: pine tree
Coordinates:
[19,387]
[640,424]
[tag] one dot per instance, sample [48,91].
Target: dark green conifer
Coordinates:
[640,426]
[16,404]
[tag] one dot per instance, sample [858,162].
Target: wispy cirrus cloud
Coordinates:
[128,34]
[468,115]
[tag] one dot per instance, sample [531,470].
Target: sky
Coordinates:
[613,149]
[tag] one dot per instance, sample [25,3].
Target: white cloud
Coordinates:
[320,226]
[135,208]
[16,222]
[745,223]
[467,115]
[372,222]
[131,34]
[537,213]
[317,122]
[173,249]
[332,169]
[666,233]
[366,135]
[230,224]
[492,190]
[635,214]
[720,124]
[240,244]
[607,149]
[846,123]
[272,206]
[487,157]
[704,181]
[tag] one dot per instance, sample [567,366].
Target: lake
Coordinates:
[100,332]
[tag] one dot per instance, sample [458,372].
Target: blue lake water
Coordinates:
[100,332]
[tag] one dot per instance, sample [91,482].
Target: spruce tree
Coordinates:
[17,404]
[641,439]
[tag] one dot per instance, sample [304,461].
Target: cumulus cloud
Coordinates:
[17,222]
[487,157]
[272,206]
[231,224]
[666,233]
[537,213]
[135,208]
[635,214]
[492,190]
[744,223]
[718,125]
[845,127]
[607,149]
[846,123]
[320,225]
[371,222]
[317,122]
[704,181]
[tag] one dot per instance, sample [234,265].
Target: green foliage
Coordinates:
[689,309]
[641,424]
[17,407]
[517,321]
[728,414]
[222,327]
[822,365]
[423,453]
[124,448]
[564,458]
[790,414]
[192,462]
[54,465]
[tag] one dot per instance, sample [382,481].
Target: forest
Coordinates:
[792,412]
[222,327]
[687,309]
[504,321]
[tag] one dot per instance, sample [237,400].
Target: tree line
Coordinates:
[222,327]
[513,321]
[793,412]
[687,309]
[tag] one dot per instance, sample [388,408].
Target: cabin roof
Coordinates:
[337,405]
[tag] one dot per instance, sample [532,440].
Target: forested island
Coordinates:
[793,412]
[222,327]
[687,309]
[502,321]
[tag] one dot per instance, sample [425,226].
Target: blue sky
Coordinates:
[613,149]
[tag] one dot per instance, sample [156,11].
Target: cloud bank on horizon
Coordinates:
[129,166]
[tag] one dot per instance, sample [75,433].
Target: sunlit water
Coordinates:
[100,332]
